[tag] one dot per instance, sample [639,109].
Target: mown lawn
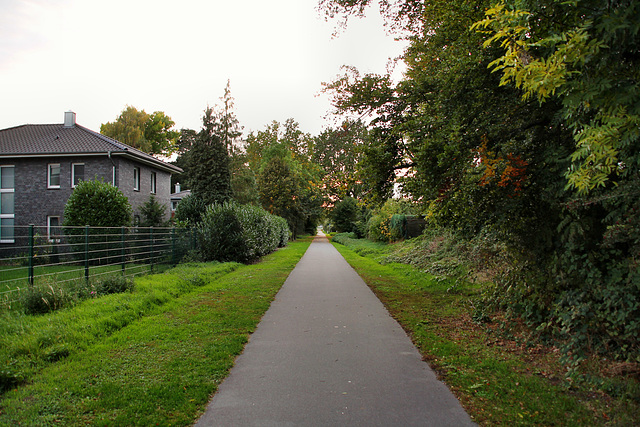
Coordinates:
[153,356]
[499,381]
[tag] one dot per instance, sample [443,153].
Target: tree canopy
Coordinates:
[518,121]
[150,133]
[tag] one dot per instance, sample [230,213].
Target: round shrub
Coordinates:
[98,204]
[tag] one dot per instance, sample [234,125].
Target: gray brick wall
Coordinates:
[34,201]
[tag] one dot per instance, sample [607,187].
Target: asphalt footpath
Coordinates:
[327,353]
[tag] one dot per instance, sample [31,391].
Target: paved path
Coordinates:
[327,353]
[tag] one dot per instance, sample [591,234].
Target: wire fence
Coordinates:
[60,254]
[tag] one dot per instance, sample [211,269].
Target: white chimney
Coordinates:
[177,187]
[69,119]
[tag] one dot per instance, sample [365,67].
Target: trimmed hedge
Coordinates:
[241,233]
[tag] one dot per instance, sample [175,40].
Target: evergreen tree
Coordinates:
[209,175]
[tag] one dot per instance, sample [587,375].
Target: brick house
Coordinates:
[41,164]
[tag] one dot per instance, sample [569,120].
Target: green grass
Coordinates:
[151,357]
[12,277]
[498,381]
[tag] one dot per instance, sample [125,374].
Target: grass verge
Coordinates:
[151,357]
[499,381]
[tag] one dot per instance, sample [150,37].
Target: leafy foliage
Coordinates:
[484,160]
[98,204]
[241,233]
[150,133]
[339,151]
[190,210]
[589,62]
[289,182]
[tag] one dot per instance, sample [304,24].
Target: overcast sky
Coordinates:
[95,57]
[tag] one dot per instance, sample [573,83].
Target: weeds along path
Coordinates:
[150,357]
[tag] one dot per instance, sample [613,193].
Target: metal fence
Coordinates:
[62,254]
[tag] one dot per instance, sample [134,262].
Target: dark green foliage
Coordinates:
[46,297]
[190,209]
[98,204]
[343,238]
[398,227]
[241,233]
[209,175]
[153,213]
[9,379]
[114,285]
[485,161]
[244,185]
[345,215]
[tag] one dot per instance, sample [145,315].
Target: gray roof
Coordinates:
[56,139]
[180,195]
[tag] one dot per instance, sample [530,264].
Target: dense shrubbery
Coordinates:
[233,232]
[381,227]
[190,210]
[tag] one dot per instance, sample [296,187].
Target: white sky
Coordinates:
[97,56]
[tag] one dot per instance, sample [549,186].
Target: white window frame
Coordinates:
[56,237]
[113,179]
[9,190]
[73,173]
[49,168]
[154,183]
[136,179]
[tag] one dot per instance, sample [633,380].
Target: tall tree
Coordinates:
[150,133]
[209,175]
[228,127]
[488,160]
[289,182]
[339,151]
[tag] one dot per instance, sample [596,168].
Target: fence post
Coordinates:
[173,246]
[86,253]
[151,240]
[31,252]
[123,250]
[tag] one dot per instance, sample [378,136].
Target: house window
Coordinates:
[153,183]
[136,179]
[53,177]
[7,203]
[114,176]
[174,205]
[53,228]
[77,173]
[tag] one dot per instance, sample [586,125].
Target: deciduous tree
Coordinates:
[150,133]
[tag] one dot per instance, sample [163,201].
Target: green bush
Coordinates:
[153,213]
[45,297]
[190,210]
[383,227]
[241,233]
[345,214]
[97,204]
[114,285]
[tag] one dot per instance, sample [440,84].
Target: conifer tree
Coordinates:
[210,178]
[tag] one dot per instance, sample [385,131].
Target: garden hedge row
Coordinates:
[241,233]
